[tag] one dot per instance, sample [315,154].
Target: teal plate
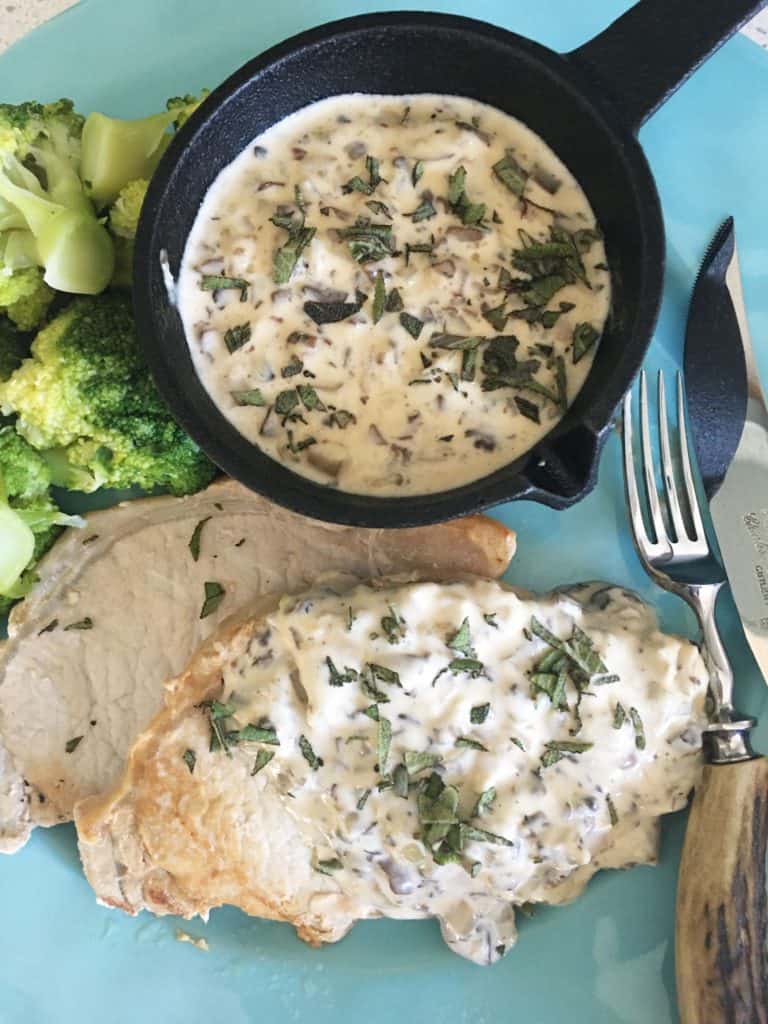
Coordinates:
[608,958]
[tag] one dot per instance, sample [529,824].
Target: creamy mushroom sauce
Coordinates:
[561,792]
[458,260]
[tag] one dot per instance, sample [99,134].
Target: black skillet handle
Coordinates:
[647,53]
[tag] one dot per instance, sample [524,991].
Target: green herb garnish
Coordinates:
[400,781]
[357,184]
[496,317]
[368,242]
[637,724]
[484,802]
[189,758]
[417,762]
[619,716]
[468,213]
[584,337]
[254,734]
[214,594]
[340,418]
[217,282]
[71,745]
[393,626]
[424,211]
[518,743]
[308,754]
[194,540]
[379,208]
[383,741]
[49,628]
[292,368]
[86,623]
[327,867]
[251,396]
[511,174]
[309,397]
[556,750]
[334,312]
[262,760]
[611,810]
[285,258]
[479,713]
[469,743]
[372,711]
[286,402]
[236,337]
[363,800]
[412,324]
[394,303]
[417,172]
[461,640]
[337,678]
[379,298]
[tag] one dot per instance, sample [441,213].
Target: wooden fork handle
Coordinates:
[722,908]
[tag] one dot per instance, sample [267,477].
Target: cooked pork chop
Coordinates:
[404,750]
[118,609]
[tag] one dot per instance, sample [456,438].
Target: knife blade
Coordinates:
[729,423]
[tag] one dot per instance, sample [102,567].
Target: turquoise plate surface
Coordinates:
[608,958]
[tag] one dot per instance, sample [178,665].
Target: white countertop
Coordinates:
[17,17]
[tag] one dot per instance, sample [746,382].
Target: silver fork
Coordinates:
[680,560]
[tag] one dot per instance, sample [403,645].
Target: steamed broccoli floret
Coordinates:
[30,521]
[87,390]
[116,152]
[25,297]
[42,196]
[123,221]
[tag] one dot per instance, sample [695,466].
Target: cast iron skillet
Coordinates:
[587,104]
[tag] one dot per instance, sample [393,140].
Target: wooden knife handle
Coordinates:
[722,908]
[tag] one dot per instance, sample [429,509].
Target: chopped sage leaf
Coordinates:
[254,734]
[412,324]
[393,626]
[379,298]
[285,258]
[217,282]
[556,750]
[237,336]
[400,781]
[467,741]
[584,337]
[251,396]
[528,409]
[262,760]
[417,172]
[363,800]
[334,312]
[327,867]
[194,540]
[383,741]
[461,640]
[309,397]
[479,713]
[394,303]
[292,368]
[308,753]
[190,759]
[71,745]
[49,628]
[214,594]
[517,742]
[511,174]
[357,184]
[372,712]
[484,802]
[337,678]
[424,211]
[384,674]
[468,213]
[418,761]
[380,208]
[611,810]
[480,835]
[86,623]
[286,402]
[637,724]
[340,418]
[368,242]
[619,716]
[496,317]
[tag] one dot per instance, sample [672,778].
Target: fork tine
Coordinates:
[630,480]
[659,527]
[699,533]
[667,469]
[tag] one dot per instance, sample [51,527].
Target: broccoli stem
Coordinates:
[115,152]
[17,546]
